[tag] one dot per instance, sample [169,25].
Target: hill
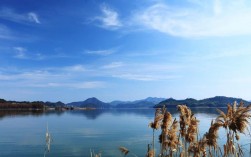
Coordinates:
[54,104]
[138,104]
[217,101]
[90,103]
[27,105]
[149,102]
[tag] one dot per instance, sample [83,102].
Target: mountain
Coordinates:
[221,101]
[54,104]
[217,101]
[117,102]
[144,103]
[154,100]
[90,103]
[95,103]
[150,102]
[136,104]
[75,104]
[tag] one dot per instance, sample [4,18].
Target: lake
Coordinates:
[74,133]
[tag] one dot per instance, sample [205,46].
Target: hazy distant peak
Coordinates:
[154,100]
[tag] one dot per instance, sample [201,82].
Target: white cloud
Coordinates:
[20,52]
[217,7]
[33,17]
[101,52]
[109,18]
[75,68]
[5,77]
[77,85]
[203,19]
[217,54]
[5,33]
[36,75]
[90,84]
[145,77]
[11,15]
[113,65]
[136,77]
[50,78]
[23,53]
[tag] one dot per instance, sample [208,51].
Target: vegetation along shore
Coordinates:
[94,103]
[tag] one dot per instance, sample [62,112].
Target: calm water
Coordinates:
[74,133]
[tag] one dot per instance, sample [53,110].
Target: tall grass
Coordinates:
[181,137]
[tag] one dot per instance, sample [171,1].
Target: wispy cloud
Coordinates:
[33,17]
[77,85]
[75,68]
[113,65]
[35,75]
[53,78]
[90,84]
[145,77]
[203,19]
[101,52]
[109,18]
[10,15]
[24,53]
[20,52]
[5,77]
[217,54]
[143,71]
[5,33]
[136,77]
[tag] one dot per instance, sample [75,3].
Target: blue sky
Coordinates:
[124,50]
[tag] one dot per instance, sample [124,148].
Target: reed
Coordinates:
[234,121]
[124,150]
[155,125]
[150,152]
[93,154]
[180,137]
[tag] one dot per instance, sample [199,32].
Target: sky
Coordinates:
[62,50]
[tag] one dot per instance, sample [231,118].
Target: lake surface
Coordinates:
[74,133]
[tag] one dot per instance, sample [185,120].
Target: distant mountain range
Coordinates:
[150,102]
[144,103]
[217,101]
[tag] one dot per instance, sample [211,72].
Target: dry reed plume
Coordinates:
[150,153]
[180,138]
[156,125]
[235,121]
[93,154]
[124,150]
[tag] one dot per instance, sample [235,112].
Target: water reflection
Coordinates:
[149,113]
[21,113]
[48,141]
[76,132]
[94,114]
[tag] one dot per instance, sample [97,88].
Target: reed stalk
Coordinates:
[185,141]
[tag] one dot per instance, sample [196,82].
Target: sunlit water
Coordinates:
[74,133]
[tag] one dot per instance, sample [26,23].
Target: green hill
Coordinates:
[217,101]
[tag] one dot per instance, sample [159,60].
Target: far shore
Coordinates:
[85,108]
